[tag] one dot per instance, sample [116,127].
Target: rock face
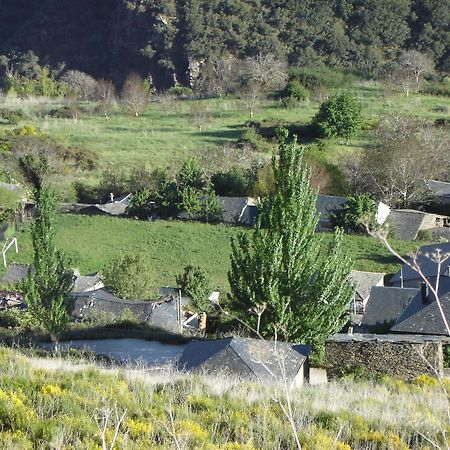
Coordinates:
[402,356]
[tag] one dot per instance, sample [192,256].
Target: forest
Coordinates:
[167,39]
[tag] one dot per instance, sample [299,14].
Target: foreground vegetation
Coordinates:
[168,246]
[84,408]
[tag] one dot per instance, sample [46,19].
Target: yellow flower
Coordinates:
[138,428]
[51,390]
[192,430]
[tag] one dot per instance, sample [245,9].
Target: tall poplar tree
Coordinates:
[283,277]
[47,288]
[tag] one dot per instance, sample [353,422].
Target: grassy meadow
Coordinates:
[87,407]
[165,136]
[168,246]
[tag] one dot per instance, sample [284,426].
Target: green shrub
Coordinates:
[129,277]
[293,93]
[10,117]
[234,183]
[322,77]
[339,116]
[437,88]
[354,212]
[424,235]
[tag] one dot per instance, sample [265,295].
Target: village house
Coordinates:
[248,358]
[364,282]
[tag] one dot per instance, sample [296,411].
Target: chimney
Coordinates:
[424,292]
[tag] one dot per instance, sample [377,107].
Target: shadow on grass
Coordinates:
[221,135]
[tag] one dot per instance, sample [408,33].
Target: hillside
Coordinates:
[110,38]
[41,408]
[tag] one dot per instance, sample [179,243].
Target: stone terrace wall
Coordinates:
[385,354]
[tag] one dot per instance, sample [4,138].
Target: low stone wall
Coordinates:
[402,356]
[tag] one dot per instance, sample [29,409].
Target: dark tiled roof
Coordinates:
[385,305]
[160,313]
[244,356]
[426,318]
[406,223]
[365,281]
[238,210]
[425,260]
[16,272]
[439,188]
[327,204]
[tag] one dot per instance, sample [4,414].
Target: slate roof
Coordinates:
[385,305]
[439,188]
[160,313]
[395,338]
[327,204]
[406,223]
[16,272]
[425,260]
[240,210]
[365,281]
[85,283]
[245,357]
[425,318]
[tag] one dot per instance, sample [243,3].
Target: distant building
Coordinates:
[15,273]
[248,358]
[440,191]
[238,210]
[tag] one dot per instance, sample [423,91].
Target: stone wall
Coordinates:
[395,355]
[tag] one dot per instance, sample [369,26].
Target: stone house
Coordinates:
[247,358]
[364,282]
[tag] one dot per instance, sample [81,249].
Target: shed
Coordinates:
[248,358]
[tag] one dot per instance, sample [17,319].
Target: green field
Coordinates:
[165,138]
[91,241]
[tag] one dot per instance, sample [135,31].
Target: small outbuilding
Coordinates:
[248,358]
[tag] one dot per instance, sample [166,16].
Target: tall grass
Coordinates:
[45,408]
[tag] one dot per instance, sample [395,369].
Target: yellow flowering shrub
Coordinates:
[10,440]
[138,428]
[426,381]
[51,390]
[191,430]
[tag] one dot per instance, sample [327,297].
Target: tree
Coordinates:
[416,63]
[135,94]
[405,156]
[47,289]
[283,278]
[80,84]
[129,277]
[356,212]
[106,94]
[195,284]
[339,116]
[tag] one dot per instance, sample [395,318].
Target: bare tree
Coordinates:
[200,116]
[135,94]
[106,94]
[251,96]
[80,84]
[417,63]
[217,76]
[266,71]
[167,103]
[406,155]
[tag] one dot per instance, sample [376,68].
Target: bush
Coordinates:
[234,183]
[9,117]
[80,84]
[436,88]
[425,235]
[129,277]
[340,116]
[319,78]
[65,112]
[293,93]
